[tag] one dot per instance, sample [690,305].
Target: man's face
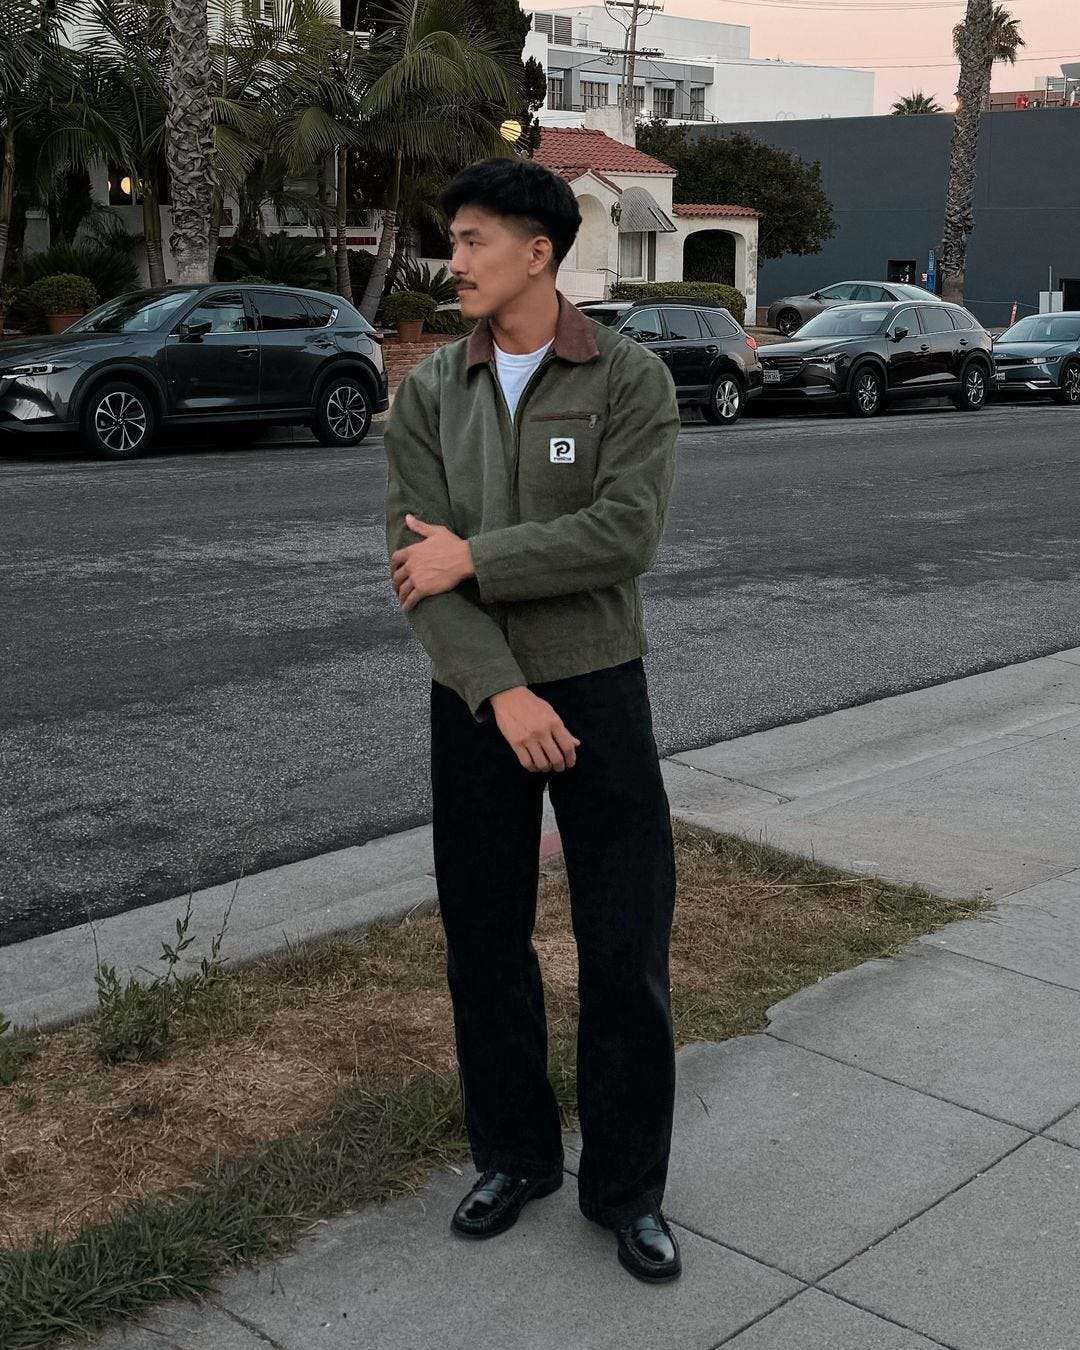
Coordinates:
[494,260]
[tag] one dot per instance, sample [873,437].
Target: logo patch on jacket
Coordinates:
[563,449]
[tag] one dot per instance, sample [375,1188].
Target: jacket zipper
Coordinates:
[591,418]
[515,424]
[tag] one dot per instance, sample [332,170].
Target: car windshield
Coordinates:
[847,321]
[1044,328]
[141,312]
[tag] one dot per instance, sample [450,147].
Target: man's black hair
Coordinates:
[519,190]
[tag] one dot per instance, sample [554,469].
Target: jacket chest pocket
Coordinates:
[557,468]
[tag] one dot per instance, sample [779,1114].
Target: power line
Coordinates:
[885,63]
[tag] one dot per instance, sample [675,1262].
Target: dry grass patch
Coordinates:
[271,1046]
[352,1036]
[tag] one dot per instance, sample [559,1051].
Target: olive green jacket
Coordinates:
[563,507]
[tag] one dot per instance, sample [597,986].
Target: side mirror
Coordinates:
[899,334]
[817,296]
[195,332]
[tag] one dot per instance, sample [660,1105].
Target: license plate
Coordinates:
[772,377]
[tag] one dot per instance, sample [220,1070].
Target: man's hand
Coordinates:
[437,564]
[534,731]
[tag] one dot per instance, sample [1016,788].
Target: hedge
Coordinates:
[711,291]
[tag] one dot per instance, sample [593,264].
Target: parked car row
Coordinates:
[256,355]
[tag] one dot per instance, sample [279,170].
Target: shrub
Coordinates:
[281,259]
[450,322]
[7,298]
[16,1047]
[419,278]
[109,270]
[361,265]
[65,293]
[252,280]
[711,291]
[407,305]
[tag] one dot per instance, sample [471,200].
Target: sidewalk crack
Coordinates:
[898,1082]
[728,778]
[252,1327]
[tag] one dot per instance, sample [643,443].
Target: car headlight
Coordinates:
[832,359]
[36,368]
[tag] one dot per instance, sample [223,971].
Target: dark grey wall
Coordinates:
[887,177]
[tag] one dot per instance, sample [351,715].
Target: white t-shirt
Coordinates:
[515,372]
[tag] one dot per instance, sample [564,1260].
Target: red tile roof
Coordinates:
[681,209]
[579,149]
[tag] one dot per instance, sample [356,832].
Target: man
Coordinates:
[529,473]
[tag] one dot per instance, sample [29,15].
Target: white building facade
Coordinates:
[695,71]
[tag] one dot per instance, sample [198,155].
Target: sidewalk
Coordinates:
[893,1165]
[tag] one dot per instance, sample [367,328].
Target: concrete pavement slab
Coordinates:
[394,1278]
[992,1267]
[183,1326]
[801,1162]
[967,1032]
[1035,932]
[817,1321]
[842,747]
[1067,1130]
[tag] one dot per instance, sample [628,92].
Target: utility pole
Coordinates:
[640,14]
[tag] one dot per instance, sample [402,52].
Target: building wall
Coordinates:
[887,178]
[677,36]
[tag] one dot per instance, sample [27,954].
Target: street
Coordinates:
[205,672]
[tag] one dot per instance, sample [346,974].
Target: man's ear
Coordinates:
[541,256]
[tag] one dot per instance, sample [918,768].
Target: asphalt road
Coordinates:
[204,671]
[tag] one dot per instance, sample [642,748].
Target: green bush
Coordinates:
[419,278]
[451,322]
[65,293]
[407,305]
[361,265]
[110,271]
[712,291]
[282,259]
[7,298]
[252,280]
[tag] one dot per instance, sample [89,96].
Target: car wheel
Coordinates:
[1069,392]
[973,389]
[342,411]
[788,321]
[725,404]
[867,393]
[118,420]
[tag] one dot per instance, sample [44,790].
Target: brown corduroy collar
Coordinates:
[574,338]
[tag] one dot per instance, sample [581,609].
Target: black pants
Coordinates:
[613,817]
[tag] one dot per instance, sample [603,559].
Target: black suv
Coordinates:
[712,359]
[866,355]
[183,355]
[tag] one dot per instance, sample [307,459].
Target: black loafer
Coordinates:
[496,1200]
[648,1250]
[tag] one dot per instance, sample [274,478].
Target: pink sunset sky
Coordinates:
[908,43]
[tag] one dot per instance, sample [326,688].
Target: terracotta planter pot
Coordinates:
[60,323]
[410,330]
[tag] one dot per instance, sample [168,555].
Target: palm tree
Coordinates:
[434,82]
[1005,37]
[976,61]
[189,142]
[915,103]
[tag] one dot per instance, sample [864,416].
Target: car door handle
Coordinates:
[712,350]
[963,342]
[246,351]
[925,347]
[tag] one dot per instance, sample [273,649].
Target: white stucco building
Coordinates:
[703,72]
[630,229]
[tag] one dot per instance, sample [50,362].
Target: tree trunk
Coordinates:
[374,289]
[976,62]
[324,219]
[7,192]
[344,280]
[151,211]
[189,141]
[217,214]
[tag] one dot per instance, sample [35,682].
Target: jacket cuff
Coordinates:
[477,685]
